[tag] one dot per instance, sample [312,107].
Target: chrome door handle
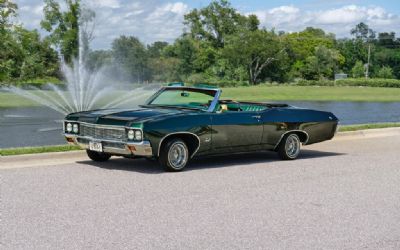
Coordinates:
[257,116]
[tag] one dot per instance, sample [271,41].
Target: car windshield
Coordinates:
[184,98]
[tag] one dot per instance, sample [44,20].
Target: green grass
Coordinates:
[368,126]
[312,93]
[10,100]
[37,150]
[271,93]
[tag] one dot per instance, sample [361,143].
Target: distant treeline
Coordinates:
[220,46]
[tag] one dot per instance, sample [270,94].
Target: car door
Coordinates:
[234,131]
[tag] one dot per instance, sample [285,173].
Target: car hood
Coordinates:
[123,117]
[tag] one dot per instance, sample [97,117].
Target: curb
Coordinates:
[368,133]
[42,159]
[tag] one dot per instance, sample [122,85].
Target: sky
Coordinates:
[162,20]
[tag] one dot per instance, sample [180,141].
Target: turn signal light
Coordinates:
[69,139]
[132,148]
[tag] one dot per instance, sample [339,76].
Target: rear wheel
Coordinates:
[174,155]
[98,156]
[289,147]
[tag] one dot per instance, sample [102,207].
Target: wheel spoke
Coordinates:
[292,146]
[178,155]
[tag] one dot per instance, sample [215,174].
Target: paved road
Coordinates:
[343,194]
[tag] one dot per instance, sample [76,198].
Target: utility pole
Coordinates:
[367,66]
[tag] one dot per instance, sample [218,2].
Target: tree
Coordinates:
[387,39]
[206,56]
[64,27]
[390,57]
[164,69]
[8,9]
[358,70]
[39,59]
[255,50]
[25,56]
[130,55]
[8,45]
[253,23]
[363,32]
[216,21]
[98,58]
[385,72]
[353,50]
[155,50]
[185,50]
[302,44]
[323,63]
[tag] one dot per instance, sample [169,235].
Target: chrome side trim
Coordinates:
[291,131]
[177,133]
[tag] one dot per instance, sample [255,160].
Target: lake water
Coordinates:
[38,126]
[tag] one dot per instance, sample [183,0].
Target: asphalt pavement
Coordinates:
[341,194]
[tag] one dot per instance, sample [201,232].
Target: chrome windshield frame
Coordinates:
[213,104]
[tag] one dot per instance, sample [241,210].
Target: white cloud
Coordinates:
[108,3]
[338,20]
[281,16]
[149,20]
[153,20]
[346,14]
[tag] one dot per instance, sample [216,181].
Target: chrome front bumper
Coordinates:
[113,147]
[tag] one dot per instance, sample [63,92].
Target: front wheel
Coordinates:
[289,147]
[98,156]
[174,155]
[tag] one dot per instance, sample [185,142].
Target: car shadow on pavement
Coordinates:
[152,167]
[134,165]
[251,158]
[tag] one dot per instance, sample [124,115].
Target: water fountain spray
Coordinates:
[83,89]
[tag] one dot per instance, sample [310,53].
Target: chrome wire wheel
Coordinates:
[292,146]
[178,155]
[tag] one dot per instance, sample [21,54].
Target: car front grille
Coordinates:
[102,133]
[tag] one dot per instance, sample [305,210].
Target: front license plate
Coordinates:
[96,146]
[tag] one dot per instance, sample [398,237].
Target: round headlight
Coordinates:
[138,135]
[75,128]
[131,135]
[69,127]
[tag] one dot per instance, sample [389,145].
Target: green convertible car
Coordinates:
[178,123]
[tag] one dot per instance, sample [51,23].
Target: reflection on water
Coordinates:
[37,126]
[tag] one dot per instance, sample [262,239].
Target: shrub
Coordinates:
[316,83]
[358,70]
[375,82]
[385,72]
[33,83]
[222,83]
